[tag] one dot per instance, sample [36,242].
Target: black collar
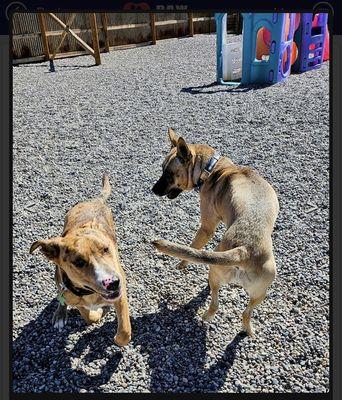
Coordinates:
[207,170]
[80,292]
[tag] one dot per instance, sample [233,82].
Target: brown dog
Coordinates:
[237,196]
[88,274]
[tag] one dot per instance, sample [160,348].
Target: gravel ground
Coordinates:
[72,125]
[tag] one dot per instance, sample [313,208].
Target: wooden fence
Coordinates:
[37,36]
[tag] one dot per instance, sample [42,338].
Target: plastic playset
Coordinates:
[273,45]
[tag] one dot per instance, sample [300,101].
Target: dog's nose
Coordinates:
[111,284]
[156,189]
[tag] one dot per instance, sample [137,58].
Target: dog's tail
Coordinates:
[236,256]
[106,189]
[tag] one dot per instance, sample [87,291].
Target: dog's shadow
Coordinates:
[44,359]
[173,339]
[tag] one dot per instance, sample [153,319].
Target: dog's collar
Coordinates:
[80,292]
[207,170]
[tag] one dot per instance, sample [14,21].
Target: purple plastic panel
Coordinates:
[286,48]
[310,42]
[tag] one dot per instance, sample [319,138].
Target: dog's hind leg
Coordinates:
[246,315]
[60,317]
[257,291]
[217,276]
[214,283]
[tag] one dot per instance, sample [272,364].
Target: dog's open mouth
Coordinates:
[111,296]
[173,193]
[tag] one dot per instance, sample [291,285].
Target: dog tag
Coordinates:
[61,298]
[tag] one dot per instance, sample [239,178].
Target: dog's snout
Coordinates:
[156,189]
[111,284]
[160,187]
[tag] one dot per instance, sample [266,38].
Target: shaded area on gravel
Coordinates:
[72,125]
[183,363]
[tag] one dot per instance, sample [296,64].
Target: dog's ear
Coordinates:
[183,151]
[173,137]
[50,247]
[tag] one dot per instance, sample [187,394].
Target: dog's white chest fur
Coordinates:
[95,307]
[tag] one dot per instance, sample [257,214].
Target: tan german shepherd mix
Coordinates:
[243,201]
[88,273]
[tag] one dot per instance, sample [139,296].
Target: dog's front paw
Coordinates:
[59,318]
[122,338]
[208,316]
[182,265]
[94,316]
[249,331]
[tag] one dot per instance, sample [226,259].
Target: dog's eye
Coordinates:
[105,250]
[79,262]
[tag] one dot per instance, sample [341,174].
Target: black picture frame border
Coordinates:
[6,222]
